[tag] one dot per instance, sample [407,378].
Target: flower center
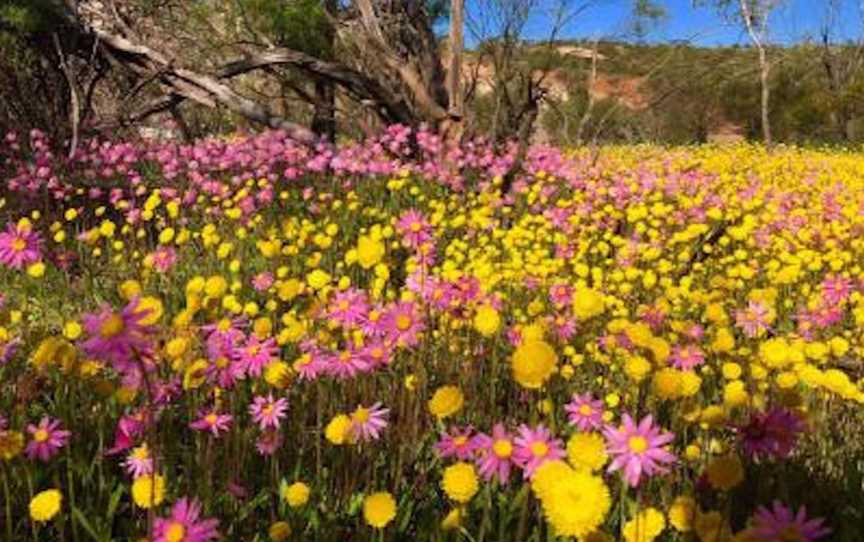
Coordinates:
[539,449]
[40,435]
[502,448]
[111,327]
[416,227]
[268,410]
[637,444]
[253,350]
[211,419]
[403,322]
[586,410]
[176,532]
[361,415]
[344,305]
[224,325]
[460,441]
[222,362]
[18,245]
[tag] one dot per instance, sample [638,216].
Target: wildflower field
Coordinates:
[251,340]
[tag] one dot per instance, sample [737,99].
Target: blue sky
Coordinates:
[794,21]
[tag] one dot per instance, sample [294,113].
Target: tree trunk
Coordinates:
[324,118]
[764,73]
[455,94]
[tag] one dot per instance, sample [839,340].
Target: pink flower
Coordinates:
[118,337]
[457,443]
[348,308]
[638,449]
[262,281]
[139,462]
[213,422]
[47,439]
[269,442]
[268,412]
[367,423]
[256,354]
[414,228]
[585,412]
[533,447]
[771,434]
[346,364]
[403,324]
[494,454]
[19,246]
[836,289]
[185,525]
[780,524]
[754,319]
[164,259]
[687,357]
[128,429]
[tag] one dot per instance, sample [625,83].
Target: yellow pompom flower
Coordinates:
[725,473]
[44,506]
[587,451]
[129,289]
[576,503]
[487,320]
[645,527]
[296,495]
[11,444]
[545,476]
[533,363]
[446,401]
[682,513]
[379,509]
[460,482]
[338,431]
[279,531]
[148,491]
[153,308]
[370,251]
[587,303]
[277,374]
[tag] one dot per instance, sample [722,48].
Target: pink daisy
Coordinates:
[47,439]
[185,524]
[19,246]
[771,434]
[262,281]
[457,443]
[403,324]
[164,259]
[118,337]
[780,524]
[348,308]
[268,412]
[494,454]
[836,289]
[687,357]
[269,442]
[754,319]
[256,354]
[139,462]
[346,364]
[533,447]
[213,422]
[638,449]
[414,228]
[367,423]
[585,412]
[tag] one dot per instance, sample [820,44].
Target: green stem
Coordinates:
[7,497]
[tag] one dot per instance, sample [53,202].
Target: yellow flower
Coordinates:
[586,451]
[317,279]
[446,401]
[712,527]
[545,476]
[148,491]
[587,303]
[379,509]
[682,512]
[129,289]
[533,363]
[277,374]
[296,495]
[369,251]
[645,527]
[153,308]
[36,270]
[195,373]
[725,473]
[45,505]
[338,431]
[576,503]
[487,320]
[460,482]
[11,444]
[453,519]
[215,287]
[279,531]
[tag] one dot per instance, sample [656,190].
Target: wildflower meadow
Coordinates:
[252,339]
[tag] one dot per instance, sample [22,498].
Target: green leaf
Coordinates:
[82,520]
